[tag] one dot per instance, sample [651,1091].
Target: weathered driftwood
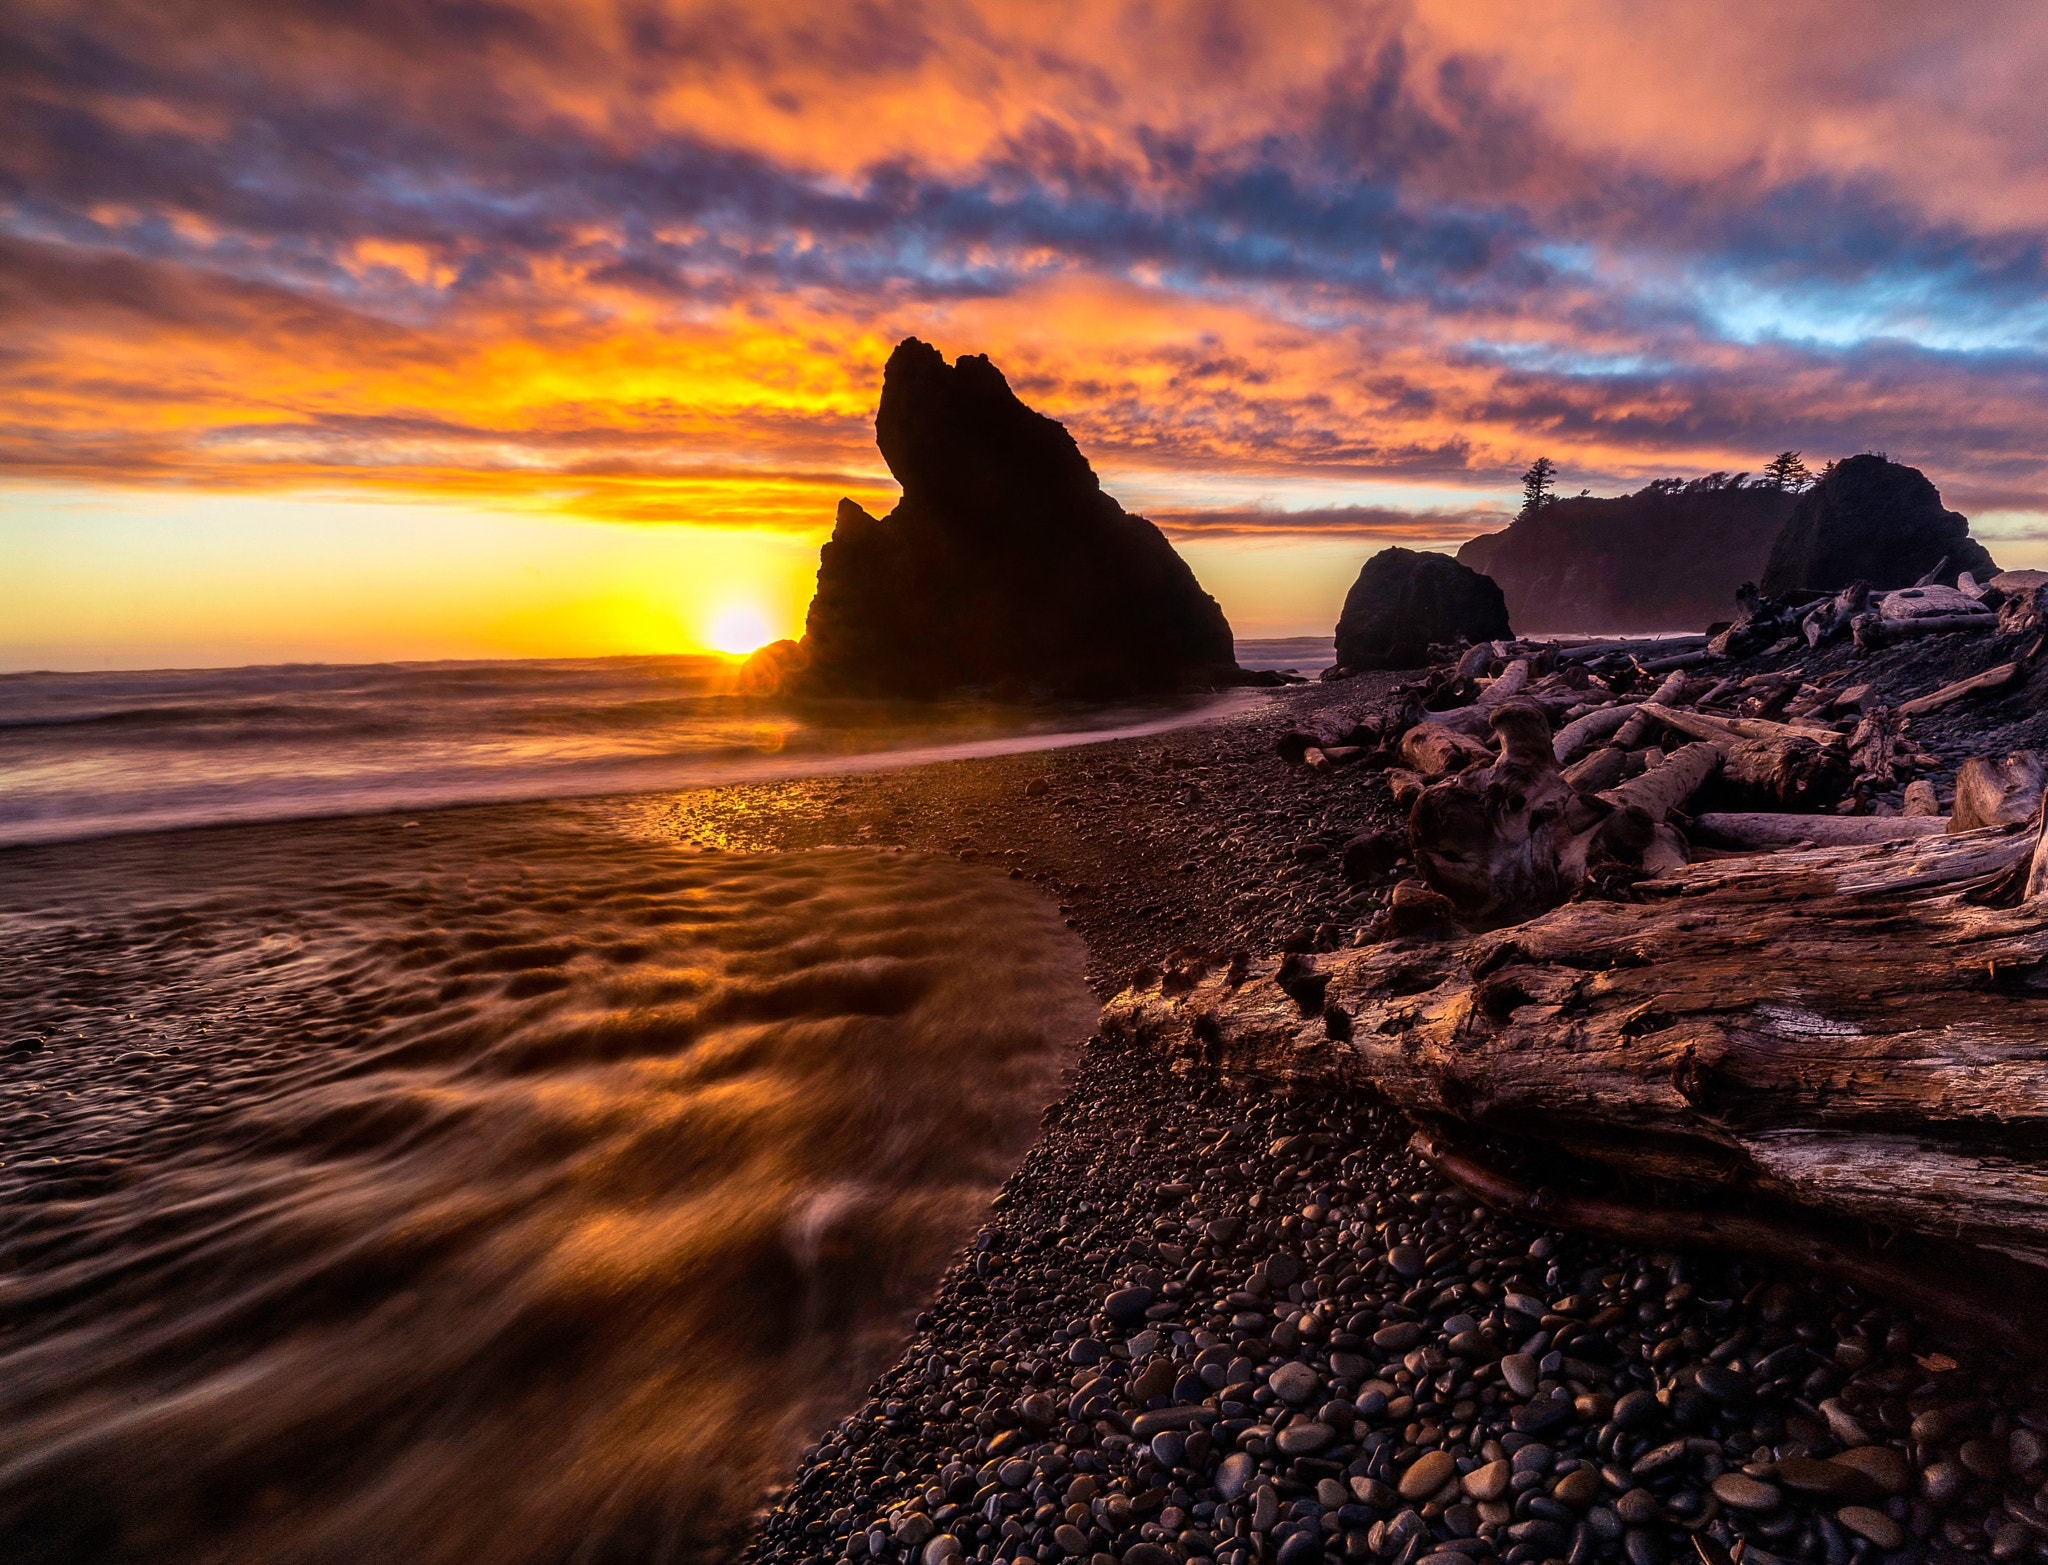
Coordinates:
[1992,679]
[1921,799]
[1434,749]
[1997,793]
[1721,730]
[1873,631]
[1760,830]
[1580,735]
[1601,770]
[1842,1028]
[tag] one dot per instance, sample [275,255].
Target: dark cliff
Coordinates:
[1003,565]
[1658,559]
[1872,520]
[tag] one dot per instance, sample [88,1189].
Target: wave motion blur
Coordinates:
[83,755]
[502,1189]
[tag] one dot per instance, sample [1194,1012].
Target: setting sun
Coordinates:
[738,629]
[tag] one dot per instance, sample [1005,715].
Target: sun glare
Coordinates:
[738,629]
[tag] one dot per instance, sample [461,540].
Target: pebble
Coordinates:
[1305,1439]
[1397,1338]
[1882,1465]
[1636,1410]
[1519,1371]
[1487,1483]
[1578,1489]
[1879,1528]
[1072,1541]
[1427,1474]
[1638,1507]
[1746,1494]
[1406,1260]
[1295,1384]
[1235,1473]
[1722,1384]
[1834,1480]
[1128,1304]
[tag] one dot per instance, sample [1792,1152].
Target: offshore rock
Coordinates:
[1404,600]
[1004,565]
[1872,520]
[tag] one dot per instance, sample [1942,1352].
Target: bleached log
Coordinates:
[1873,632]
[1842,1028]
[1662,789]
[1921,799]
[1758,830]
[1580,735]
[1724,730]
[1990,680]
[1599,770]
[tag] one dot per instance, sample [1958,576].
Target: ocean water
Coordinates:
[84,755]
[1304,655]
[507,1186]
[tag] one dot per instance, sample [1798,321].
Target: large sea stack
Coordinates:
[1872,520]
[1664,558]
[1404,600]
[1003,566]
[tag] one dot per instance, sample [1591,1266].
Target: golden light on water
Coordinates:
[738,629]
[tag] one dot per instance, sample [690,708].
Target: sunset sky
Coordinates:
[397,328]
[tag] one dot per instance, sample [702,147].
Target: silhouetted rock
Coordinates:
[1404,600]
[1659,559]
[1004,564]
[1872,520]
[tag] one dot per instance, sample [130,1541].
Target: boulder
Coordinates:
[1004,566]
[1874,520]
[1403,601]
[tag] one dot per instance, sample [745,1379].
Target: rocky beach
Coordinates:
[1231,1319]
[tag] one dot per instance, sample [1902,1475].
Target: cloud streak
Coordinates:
[643,260]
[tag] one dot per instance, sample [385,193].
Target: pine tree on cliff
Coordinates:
[1786,471]
[1536,485]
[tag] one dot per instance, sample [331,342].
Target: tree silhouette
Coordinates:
[1786,471]
[1536,485]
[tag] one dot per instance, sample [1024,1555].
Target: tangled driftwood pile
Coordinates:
[1661,923]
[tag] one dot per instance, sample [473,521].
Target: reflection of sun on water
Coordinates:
[738,629]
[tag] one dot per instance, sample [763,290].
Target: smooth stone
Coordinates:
[1283,1271]
[1938,1424]
[1295,1384]
[1720,1383]
[1370,1491]
[1578,1489]
[913,1528]
[1983,1458]
[1655,1461]
[945,1547]
[1305,1439]
[1148,1554]
[1143,1345]
[1525,1305]
[1638,1508]
[1397,1338]
[1879,1528]
[1427,1474]
[1881,1465]
[1545,1413]
[1127,1305]
[1224,1230]
[1331,1495]
[1833,1480]
[1235,1474]
[1746,1494]
[1519,1371]
[1154,1380]
[1349,1366]
[1303,1548]
[1071,1540]
[1644,1547]
[1265,1508]
[1635,1410]
[1406,1260]
[1842,1424]
[1489,1482]
[1160,1420]
[1942,1481]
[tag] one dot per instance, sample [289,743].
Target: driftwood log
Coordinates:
[1861,1032]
